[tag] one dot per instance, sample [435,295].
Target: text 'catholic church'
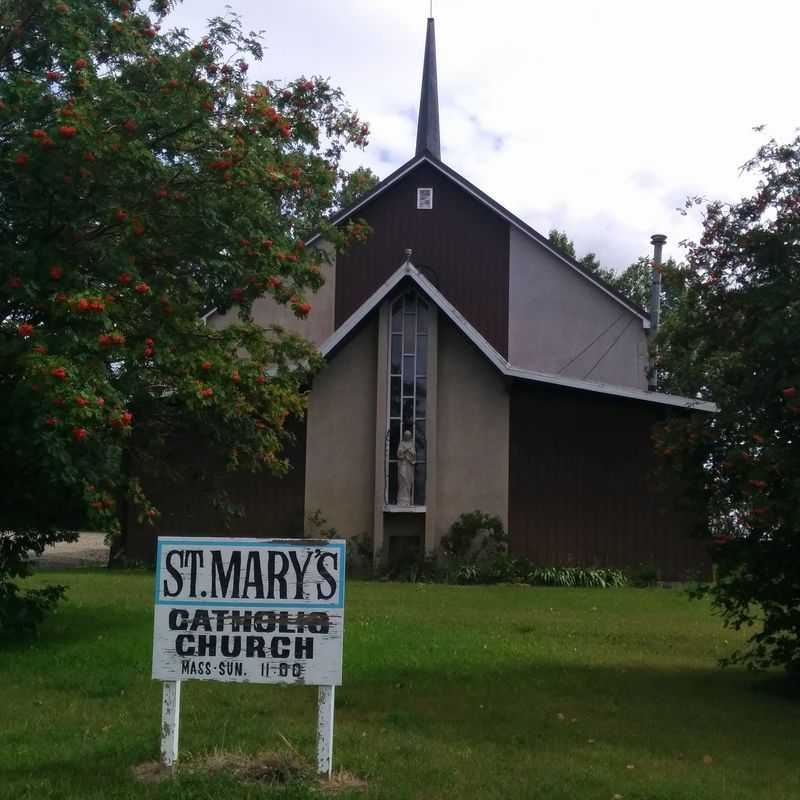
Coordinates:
[469,365]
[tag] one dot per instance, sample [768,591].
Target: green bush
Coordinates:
[360,554]
[503,568]
[589,577]
[644,576]
[359,548]
[463,540]
[475,552]
[317,526]
[21,612]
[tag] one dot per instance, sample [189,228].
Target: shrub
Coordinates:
[473,534]
[467,573]
[21,612]
[359,548]
[646,575]
[475,552]
[360,554]
[503,568]
[589,577]
[317,527]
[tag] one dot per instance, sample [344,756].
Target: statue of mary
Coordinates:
[406,457]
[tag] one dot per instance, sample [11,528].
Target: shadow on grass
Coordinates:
[542,714]
[516,675]
[57,634]
[785,686]
[72,622]
[633,705]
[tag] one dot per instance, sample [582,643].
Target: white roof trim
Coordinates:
[408,270]
[609,388]
[512,220]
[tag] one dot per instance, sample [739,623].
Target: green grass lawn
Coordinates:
[471,692]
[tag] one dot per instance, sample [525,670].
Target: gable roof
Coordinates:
[427,157]
[407,271]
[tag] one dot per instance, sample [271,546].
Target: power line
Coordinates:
[610,348]
[599,336]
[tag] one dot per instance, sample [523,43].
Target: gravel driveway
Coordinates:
[89,551]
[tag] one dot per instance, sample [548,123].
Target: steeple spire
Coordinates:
[428,120]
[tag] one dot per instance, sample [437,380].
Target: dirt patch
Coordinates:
[152,772]
[342,781]
[267,768]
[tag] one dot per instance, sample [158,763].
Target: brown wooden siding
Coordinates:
[272,506]
[583,489]
[462,245]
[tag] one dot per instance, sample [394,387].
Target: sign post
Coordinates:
[325,702]
[170,722]
[249,611]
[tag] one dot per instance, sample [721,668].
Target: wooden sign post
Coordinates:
[325,700]
[170,722]
[249,611]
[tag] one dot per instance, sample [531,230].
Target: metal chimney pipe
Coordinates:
[658,240]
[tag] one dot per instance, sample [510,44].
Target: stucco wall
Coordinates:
[317,327]
[555,313]
[340,452]
[472,432]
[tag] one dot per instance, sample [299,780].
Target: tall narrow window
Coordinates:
[408,395]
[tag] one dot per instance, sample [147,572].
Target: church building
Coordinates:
[470,365]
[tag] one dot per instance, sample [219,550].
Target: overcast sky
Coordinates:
[594,117]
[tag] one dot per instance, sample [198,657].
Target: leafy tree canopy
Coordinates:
[635,282]
[561,241]
[735,338]
[355,184]
[143,179]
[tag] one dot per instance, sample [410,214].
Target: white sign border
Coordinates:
[341,544]
[171,693]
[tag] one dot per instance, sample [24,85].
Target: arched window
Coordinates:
[408,390]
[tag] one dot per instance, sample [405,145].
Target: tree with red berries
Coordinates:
[735,338]
[143,180]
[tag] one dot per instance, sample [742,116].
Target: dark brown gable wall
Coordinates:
[582,487]
[461,241]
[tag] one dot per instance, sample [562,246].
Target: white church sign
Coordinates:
[249,611]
